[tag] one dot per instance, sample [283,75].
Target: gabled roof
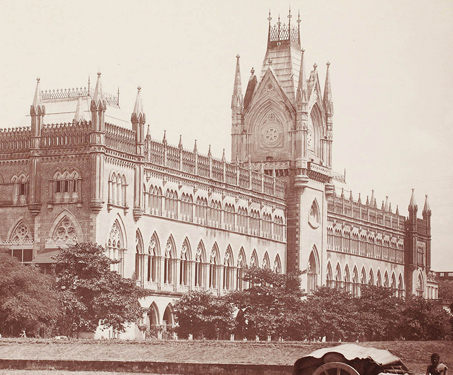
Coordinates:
[285,62]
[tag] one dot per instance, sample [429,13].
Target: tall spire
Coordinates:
[97,95]
[37,107]
[78,117]
[237,101]
[302,84]
[412,203]
[426,208]
[328,104]
[138,115]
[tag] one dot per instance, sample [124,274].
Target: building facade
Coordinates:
[178,220]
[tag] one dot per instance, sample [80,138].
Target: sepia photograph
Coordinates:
[226,187]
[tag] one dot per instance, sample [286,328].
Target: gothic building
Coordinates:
[178,220]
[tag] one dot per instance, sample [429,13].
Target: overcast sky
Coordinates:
[392,79]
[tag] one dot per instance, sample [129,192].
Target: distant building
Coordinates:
[179,220]
[444,276]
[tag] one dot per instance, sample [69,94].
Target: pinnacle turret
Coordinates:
[250,88]
[412,203]
[426,208]
[301,95]
[328,104]
[78,117]
[237,101]
[138,115]
[37,108]
[98,96]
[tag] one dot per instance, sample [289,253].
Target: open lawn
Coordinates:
[415,354]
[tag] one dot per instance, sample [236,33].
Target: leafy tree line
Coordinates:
[272,306]
[81,294]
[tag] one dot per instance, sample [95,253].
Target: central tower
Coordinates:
[283,126]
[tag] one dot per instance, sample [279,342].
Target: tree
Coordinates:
[379,312]
[200,313]
[332,313]
[92,294]
[270,306]
[423,319]
[27,300]
[446,291]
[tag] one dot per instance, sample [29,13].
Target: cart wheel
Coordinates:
[335,368]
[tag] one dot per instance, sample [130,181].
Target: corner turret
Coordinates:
[98,107]
[138,119]
[37,112]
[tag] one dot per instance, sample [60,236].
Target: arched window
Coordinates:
[400,287]
[241,264]
[139,259]
[355,283]
[254,260]
[20,191]
[347,280]
[213,267]
[21,234]
[65,233]
[329,278]
[313,216]
[338,278]
[153,263]
[168,262]
[312,271]
[183,265]
[277,268]
[228,263]
[117,190]
[199,260]
[266,265]
[378,278]
[116,247]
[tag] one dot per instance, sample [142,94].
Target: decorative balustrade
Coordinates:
[369,213]
[15,139]
[119,138]
[208,167]
[66,134]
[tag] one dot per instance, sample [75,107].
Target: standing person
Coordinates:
[436,368]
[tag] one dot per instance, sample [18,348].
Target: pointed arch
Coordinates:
[313,270]
[371,277]
[315,127]
[20,233]
[153,259]
[277,267]
[228,264]
[363,279]
[400,286]
[329,277]
[241,265]
[116,245]
[169,317]
[347,279]
[214,260]
[379,278]
[266,264]
[184,259]
[420,285]
[314,215]
[169,258]
[200,259]
[355,282]
[153,315]
[338,277]
[386,280]
[254,259]
[139,257]
[393,285]
[65,230]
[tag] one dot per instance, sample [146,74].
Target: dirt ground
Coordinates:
[415,354]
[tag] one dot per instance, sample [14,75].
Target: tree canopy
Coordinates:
[92,294]
[27,300]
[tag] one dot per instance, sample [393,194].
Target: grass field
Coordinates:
[415,354]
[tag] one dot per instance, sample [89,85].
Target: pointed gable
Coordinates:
[285,61]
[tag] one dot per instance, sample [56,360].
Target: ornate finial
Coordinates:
[99,73]
[269,61]
[238,56]
[38,79]
[315,66]
[328,64]
[139,88]
[298,17]
[252,71]
[269,18]
[289,14]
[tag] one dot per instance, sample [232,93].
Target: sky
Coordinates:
[392,80]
